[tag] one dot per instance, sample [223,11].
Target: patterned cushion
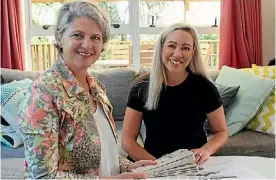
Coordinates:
[264,121]
[12,94]
[252,94]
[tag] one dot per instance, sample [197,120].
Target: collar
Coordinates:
[70,83]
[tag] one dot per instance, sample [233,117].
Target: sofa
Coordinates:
[118,82]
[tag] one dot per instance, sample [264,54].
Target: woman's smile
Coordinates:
[84,54]
[175,62]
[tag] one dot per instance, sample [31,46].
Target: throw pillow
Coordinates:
[252,94]
[264,121]
[12,94]
[9,136]
[264,71]
[227,95]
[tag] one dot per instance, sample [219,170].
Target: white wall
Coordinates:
[269,30]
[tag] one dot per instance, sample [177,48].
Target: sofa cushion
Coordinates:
[249,143]
[227,95]
[264,121]
[213,74]
[118,82]
[10,153]
[10,75]
[244,143]
[12,94]
[252,94]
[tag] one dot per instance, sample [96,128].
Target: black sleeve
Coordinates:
[136,97]
[212,99]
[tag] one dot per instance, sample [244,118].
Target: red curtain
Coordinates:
[12,47]
[240,33]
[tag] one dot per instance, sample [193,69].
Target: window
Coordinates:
[209,49]
[117,52]
[44,12]
[159,13]
[203,13]
[135,27]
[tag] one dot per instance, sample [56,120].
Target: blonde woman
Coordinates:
[174,101]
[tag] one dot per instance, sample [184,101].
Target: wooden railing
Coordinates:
[44,55]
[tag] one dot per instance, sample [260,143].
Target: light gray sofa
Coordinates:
[118,83]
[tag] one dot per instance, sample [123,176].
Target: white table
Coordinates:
[238,165]
[263,166]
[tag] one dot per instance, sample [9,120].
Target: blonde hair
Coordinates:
[157,74]
[72,10]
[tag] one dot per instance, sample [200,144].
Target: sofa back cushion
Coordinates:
[10,75]
[118,82]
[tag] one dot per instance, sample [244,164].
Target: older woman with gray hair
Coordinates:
[174,101]
[66,119]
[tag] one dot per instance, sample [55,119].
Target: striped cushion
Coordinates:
[264,121]
[252,94]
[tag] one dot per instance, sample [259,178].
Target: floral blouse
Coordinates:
[60,135]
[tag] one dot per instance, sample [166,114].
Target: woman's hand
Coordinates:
[134,175]
[201,155]
[141,163]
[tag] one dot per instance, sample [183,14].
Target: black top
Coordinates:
[178,121]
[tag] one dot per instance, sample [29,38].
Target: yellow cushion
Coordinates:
[264,121]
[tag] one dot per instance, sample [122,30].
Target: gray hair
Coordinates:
[70,11]
[157,74]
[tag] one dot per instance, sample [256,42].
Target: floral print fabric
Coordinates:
[60,135]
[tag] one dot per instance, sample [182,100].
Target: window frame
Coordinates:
[133,29]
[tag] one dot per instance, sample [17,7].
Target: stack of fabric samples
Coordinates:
[173,164]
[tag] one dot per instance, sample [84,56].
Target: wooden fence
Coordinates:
[44,55]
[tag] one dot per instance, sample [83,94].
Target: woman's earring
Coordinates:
[60,49]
